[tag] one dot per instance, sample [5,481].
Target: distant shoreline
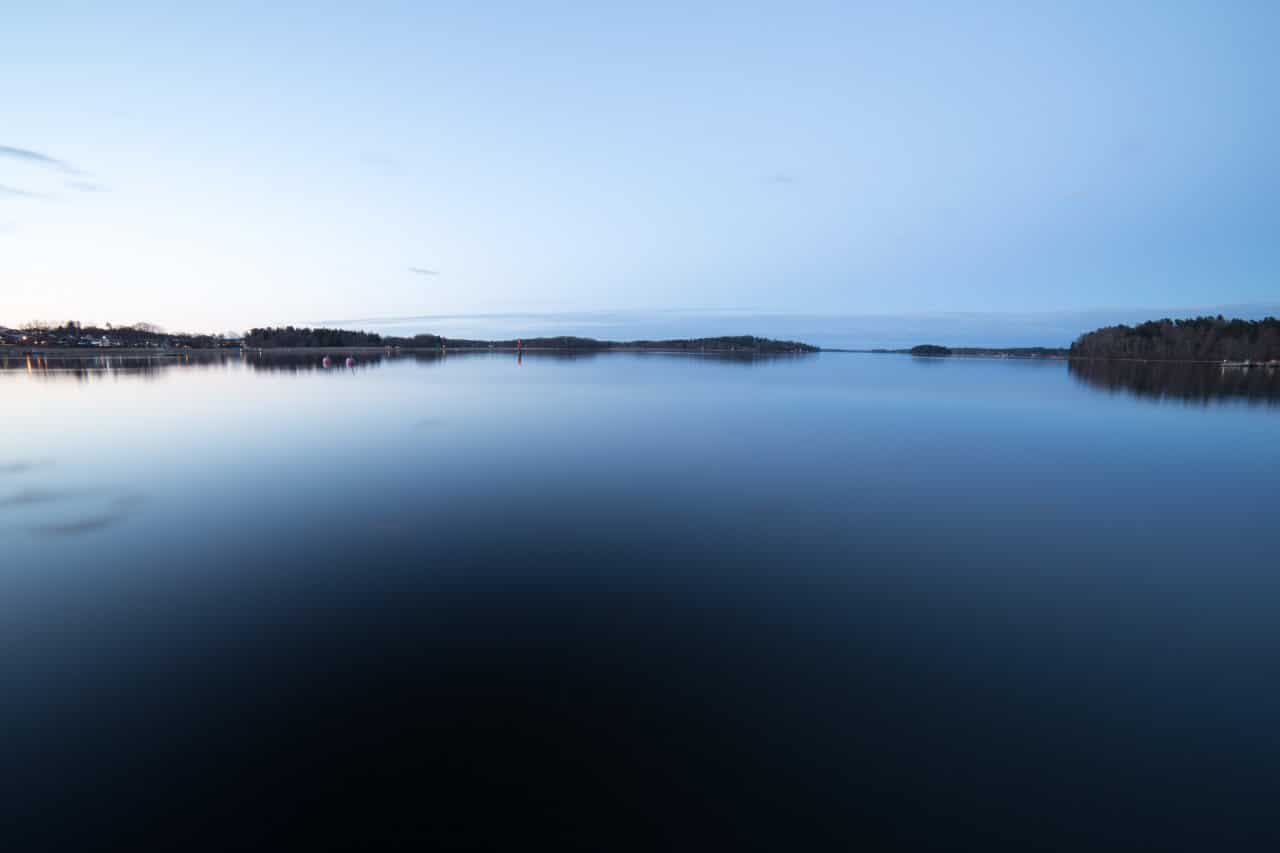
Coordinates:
[1198,340]
[1029,353]
[967,353]
[91,352]
[140,340]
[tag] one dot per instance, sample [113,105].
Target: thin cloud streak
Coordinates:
[28,156]
[381,163]
[423,271]
[14,192]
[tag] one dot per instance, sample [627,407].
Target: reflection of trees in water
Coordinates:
[719,357]
[301,362]
[86,368]
[743,359]
[305,362]
[1180,380]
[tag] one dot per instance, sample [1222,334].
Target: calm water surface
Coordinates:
[638,600]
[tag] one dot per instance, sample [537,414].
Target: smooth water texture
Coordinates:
[638,600]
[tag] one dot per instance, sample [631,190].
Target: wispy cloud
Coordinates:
[379,162]
[87,187]
[38,159]
[14,192]
[75,182]
[423,271]
[779,178]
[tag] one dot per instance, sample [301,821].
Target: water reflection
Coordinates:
[86,368]
[692,602]
[295,362]
[1171,380]
[65,511]
[112,511]
[33,496]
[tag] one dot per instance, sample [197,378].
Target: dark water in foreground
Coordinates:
[638,601]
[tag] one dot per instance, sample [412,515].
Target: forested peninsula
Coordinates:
[938,351]
[1204,339]
[1195,339]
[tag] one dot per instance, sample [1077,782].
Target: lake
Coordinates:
[638,600]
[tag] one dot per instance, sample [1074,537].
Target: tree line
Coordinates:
[302,338]
[307,338]
[1194,339]
[147,335]
[141,335]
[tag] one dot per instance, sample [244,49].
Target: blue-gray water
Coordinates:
[666,602]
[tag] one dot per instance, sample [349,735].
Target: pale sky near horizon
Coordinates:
[218,167]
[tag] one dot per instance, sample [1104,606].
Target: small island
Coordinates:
[938,351]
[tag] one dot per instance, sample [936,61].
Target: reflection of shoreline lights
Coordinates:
[85,368]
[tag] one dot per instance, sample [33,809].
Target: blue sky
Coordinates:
[214,168]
